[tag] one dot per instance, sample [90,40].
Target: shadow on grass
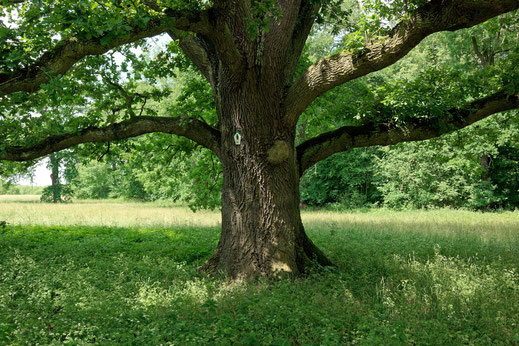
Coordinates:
[140,286]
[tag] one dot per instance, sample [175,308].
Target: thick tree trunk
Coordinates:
[262,232]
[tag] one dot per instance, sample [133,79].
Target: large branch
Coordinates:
[61,58]
[349,137]
[435,16]
[199,51]
[191,128]
[225,44]
[305,20]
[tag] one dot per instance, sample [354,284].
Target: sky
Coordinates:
[41,176]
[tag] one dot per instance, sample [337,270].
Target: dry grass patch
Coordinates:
[443,222]
[114,214]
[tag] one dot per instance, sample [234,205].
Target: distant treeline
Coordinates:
[415,175]
[7,188]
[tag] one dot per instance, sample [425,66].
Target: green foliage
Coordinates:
[12,171]
[64,20]
[264,12]
[393,11]
[418,176]
[346,179]
[5,186]
[432,281]
[431,79]
[159,166]
[3,226]
[94,181]
[49,193]
[448,171]
[442,172]
[504,173]
[97,90]
[185,175]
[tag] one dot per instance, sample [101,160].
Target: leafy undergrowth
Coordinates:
[103,285]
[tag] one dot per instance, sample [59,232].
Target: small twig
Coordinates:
[143,104]
[106,152]
[127,96]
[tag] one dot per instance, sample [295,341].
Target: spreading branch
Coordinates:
[191,128]
[434,16]
[65,54]
[225,44]
[199,51]
[349,137]
[305,20]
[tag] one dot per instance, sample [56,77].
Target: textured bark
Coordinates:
[198,50]
[305,20]
[262,233]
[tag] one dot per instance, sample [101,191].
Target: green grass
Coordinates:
[439,277]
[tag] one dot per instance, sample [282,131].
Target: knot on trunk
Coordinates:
[278,152]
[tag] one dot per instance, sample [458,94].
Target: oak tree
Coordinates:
[61,85]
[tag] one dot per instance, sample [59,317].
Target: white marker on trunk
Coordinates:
[237,138]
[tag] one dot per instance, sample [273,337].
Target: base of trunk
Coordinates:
[235,264]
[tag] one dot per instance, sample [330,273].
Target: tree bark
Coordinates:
[262,232]
[485,166]
[54,177]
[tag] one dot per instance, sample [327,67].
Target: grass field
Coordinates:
[125,273]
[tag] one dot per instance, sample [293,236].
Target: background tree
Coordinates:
[62,166]
[59,59]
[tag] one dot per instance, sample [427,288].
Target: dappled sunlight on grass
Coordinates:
[463,293]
